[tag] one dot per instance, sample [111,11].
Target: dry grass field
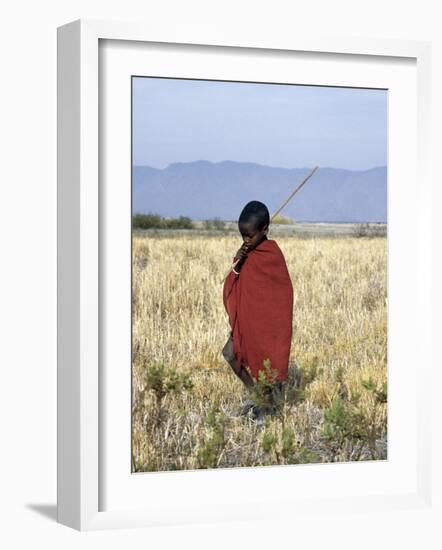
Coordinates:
[185,396]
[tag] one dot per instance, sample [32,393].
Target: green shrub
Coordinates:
[347,429]
[282,447]
[298,378]
[264,391]
[342,422]
[161,380]
[210,450]
[380,394]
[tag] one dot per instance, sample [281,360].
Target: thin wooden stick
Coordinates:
[292,194]
[304,181]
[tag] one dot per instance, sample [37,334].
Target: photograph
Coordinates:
[259,302]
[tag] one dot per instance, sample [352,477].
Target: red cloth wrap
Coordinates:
[259,303]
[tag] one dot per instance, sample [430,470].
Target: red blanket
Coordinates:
[259,303]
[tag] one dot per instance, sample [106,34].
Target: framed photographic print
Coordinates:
[234,251]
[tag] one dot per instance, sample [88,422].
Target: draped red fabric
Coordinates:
[259,303]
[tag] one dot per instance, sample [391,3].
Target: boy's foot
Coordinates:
[276,398]
[245,409]
[258,414]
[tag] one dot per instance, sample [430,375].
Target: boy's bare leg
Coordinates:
[240,371]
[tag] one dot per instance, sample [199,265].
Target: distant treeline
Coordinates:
[155,221]
[370,230]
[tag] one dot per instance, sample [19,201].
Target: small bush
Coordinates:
[282,447]
[298,378]
[161,380]
[210,451]
[283,220]
[267,392]
[351,430]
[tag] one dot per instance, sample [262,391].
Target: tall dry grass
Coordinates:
[185,397]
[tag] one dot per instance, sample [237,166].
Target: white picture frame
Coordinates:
[79,263]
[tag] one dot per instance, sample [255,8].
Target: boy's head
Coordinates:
[253,223]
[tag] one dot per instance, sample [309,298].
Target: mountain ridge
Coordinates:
[204,189]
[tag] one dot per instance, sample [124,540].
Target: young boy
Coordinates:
[258,298]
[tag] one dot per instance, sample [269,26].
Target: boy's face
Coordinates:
[250,234]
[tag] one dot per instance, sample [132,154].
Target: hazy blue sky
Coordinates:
[278,125]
